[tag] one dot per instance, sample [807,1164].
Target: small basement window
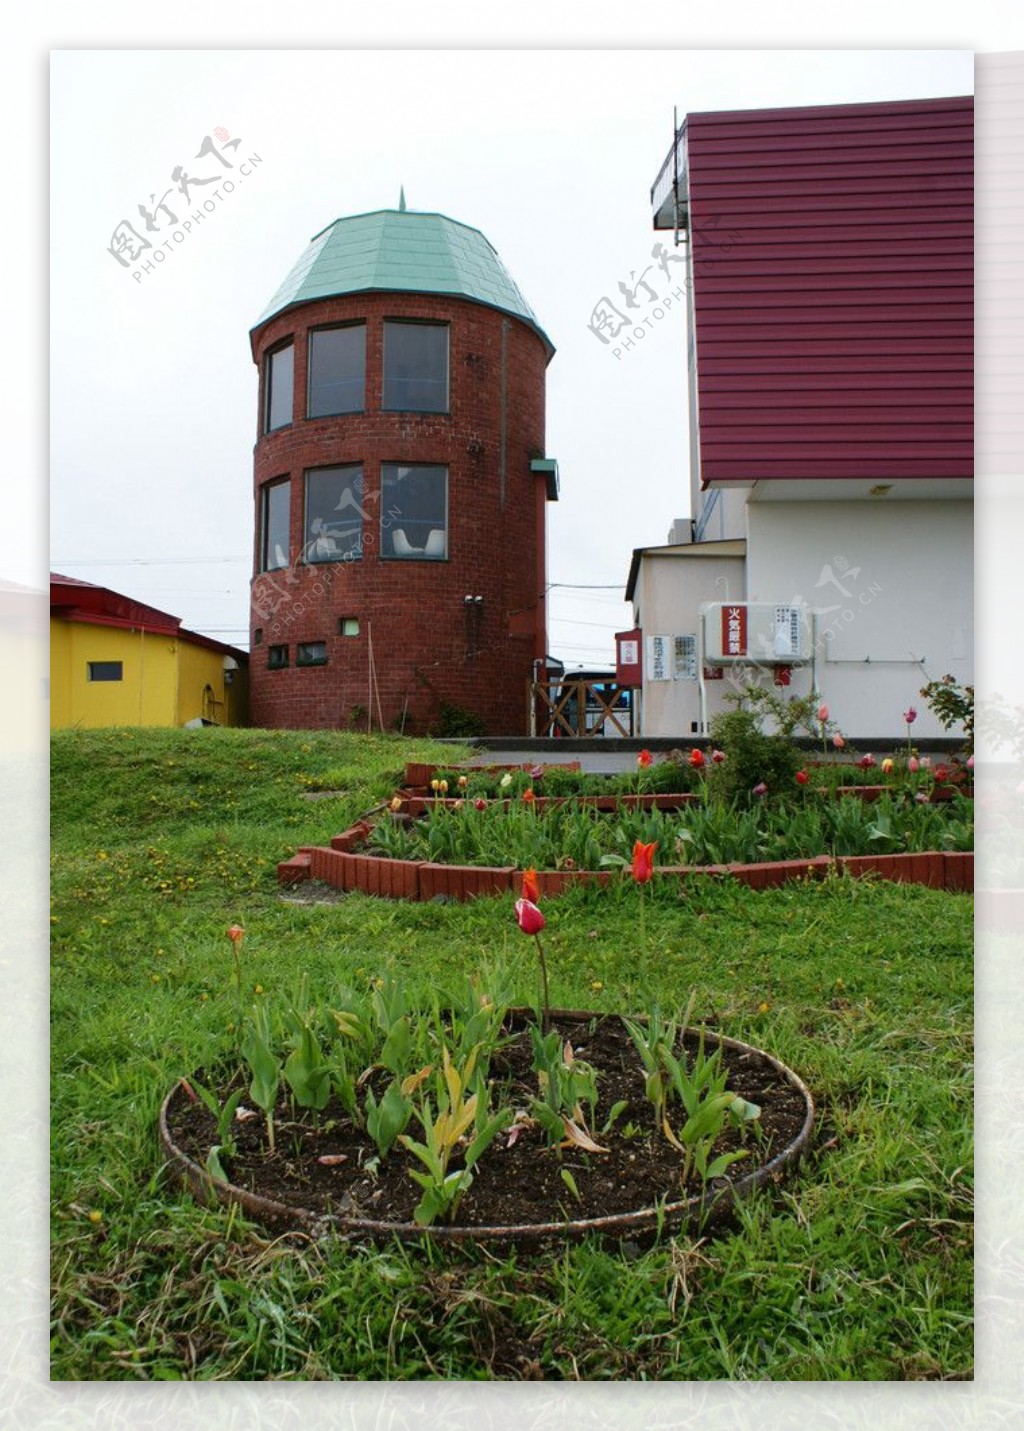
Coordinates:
[348,625]
[311,653]
[277,658]
[105,670]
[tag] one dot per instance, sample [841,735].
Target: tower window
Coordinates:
[334,514]
[415,367]
[105,670]
[348,625]
[414,512]
[311,653]
[277,658]
[275,524]
[337,370]
[280,383]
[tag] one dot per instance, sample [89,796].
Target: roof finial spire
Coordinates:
[401,199]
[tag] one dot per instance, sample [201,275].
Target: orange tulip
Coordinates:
[643,861]
[644,759]
[529,796]
[531,889]
[236,934]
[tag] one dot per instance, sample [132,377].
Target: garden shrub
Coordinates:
[752,758]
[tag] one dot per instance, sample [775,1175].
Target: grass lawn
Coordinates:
[860,1268]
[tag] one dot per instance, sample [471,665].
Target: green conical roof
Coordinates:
[398,250]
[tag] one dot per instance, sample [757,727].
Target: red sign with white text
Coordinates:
[629,669]
[734,630]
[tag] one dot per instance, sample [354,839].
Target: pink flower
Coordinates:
[760,788]
[913,765]
[718,756]
[970,762]
[866,762]
[801,777]
[921,798]
[644,759]
[838,741]
[529,917]
[910,715]
[537,772]
[926,762]
[823,712]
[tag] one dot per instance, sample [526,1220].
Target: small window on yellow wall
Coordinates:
[105,670]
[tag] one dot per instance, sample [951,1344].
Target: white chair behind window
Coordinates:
[435,543]
[402,545]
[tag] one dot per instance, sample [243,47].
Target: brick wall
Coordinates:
[428,644]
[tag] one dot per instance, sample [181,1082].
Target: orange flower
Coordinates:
[531,889]
[696,758]
[644,759]
[236,934]
[529,796]
[643,861]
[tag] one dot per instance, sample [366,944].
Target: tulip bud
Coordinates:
[823,712]
[529,917]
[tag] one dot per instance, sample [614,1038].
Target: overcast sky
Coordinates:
[551,153]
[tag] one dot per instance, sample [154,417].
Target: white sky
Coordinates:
[551,153]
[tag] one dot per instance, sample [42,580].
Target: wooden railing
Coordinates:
[580,709]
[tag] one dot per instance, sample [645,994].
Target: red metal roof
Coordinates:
[75,600]
[833,290]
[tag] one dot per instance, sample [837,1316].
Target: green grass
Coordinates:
[859,1268]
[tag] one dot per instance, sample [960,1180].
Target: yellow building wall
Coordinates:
[199,669]
[164,680]
[145,696]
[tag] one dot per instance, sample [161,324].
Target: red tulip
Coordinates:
[718,756]
[479,804]
[236,934]
[531,889]
[866,762]
[644,759]
[529,917]
[696,758]
[801,777]
[643,861]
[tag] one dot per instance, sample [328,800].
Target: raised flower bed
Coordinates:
[427,846]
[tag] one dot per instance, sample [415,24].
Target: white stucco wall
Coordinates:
[894,584]
[670,589]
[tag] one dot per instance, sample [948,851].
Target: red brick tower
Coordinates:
[400,484]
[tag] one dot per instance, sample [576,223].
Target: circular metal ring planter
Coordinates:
[712,1205]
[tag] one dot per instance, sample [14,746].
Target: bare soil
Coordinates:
[326,1166]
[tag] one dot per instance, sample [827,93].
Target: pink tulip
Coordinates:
[913,765]
[970,762]
[838,741]
[760,788]
[718,756]
[823,712]
[910,715]
[866,762]
[529,917]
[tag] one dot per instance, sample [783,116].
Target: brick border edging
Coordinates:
[338,865]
